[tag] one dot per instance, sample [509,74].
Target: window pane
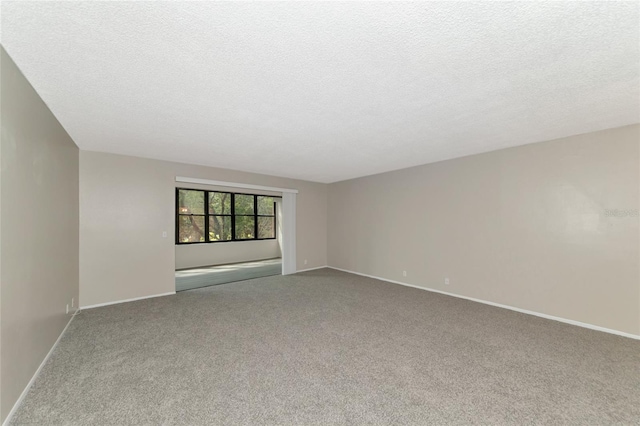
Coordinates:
[219,228]
[219,203]
[266,227]
[244,204]
[191,229]
[245,227]
[190,202]
[265,206]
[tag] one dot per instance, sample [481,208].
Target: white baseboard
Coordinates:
[35,375]
[311,269]
[499,305]
[127,300]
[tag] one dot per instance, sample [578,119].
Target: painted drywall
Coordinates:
[126,203]
[39,240]
[550,227]
[194,255]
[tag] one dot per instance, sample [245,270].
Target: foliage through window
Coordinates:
[212,216]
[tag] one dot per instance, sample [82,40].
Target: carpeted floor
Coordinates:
[326,347]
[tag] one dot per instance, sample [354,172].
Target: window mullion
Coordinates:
[177,213]
[255,217]
[233,216]
[206,217]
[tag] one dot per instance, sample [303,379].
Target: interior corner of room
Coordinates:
[550,229]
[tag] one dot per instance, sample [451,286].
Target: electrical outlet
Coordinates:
[404,273]
[73,305]
[67,308]
[446,281]
[305,261]
[164,234]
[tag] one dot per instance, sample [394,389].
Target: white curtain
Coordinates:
[288,233]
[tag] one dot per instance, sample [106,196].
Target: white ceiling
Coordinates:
[327,91]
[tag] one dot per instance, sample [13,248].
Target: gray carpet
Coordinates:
[188,279]
[326,347]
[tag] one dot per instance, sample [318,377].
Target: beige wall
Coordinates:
[525,227]
[39,244]
[127,202]
[194,255]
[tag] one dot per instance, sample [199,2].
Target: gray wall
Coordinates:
[127,202]
[194,255]
[525,227]
[39,239]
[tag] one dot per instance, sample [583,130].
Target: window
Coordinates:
[191,215]
[219,216]
[245,215]
[213,216]
[266,217]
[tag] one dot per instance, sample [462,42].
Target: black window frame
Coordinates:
[207,215]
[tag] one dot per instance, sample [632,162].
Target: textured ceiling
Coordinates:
[326,91]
